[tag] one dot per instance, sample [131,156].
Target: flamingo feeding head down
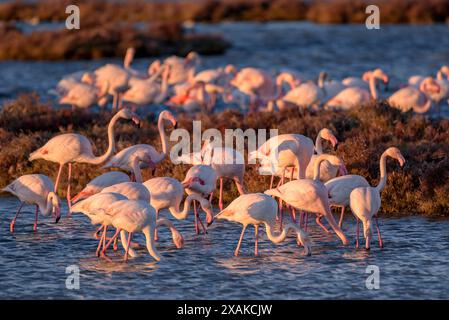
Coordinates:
[257,209]
[35,189]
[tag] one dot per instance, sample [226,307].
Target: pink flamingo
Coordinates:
[118,79]
[257,209]
[99,183]
[71,148]
[410,97]
[84,95]
[131,190]
[309,195]
[125,158]
[202,180]
[365,201]
[35,189]
[138,216]
[167,193]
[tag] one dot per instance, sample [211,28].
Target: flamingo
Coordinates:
[340,188]
[257,209]
[95,207]
[131,190]
[355,96]
[365,201]
[285,150]
[118,79]
[227,163]
[309,195]
[124,159]
[167,193]
[202,180]
[410,97]
[99,183]
[197,96]
[35,189]
[218,76]
[363,82]
[138,216]
[84,95]
[182,69]
[147,91]
[329,169]
[71,148]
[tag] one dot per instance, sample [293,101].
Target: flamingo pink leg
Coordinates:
[293,213]
[69,203]
[381,244]
[117,232]
[340,223]
[236,253]
[357,234]
[220,202]
[130,236]
[96,234]
[256,243]
[58,177]
[272,181]
[101,242]
[318,221]
[306,216]
[13,222]
[35,219]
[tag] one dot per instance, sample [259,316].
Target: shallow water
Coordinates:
[413,264]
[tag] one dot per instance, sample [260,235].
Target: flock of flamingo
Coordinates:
[175,83]
[310,180]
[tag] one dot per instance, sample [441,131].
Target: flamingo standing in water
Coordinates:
[35,189]
[71,148]
[202,180]
[138,216]
[419,100]
[99,183]
[131,190]
[167,193]
[365,201]
[309,195]
[125,158]
[257,209]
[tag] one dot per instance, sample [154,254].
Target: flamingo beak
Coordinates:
[334,141]
[136,120]
[57,214]
[175,125]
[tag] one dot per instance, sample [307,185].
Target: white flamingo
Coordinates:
[202,180]
[84,95]
[365,201]
[258,209]
[167,193]
[125,158]
[309,195]
[99,183]
[410,97]
[35,189]
[71,148]
[131,190]
[138,216]
[118,79]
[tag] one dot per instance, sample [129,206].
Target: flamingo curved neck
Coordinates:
[164,88]
[317,165]
[136,170]
[278,238]
[149,239]
[319,144]
[424,107]
[182,214]
[164,139]
[383,172]
[111,142]
[49,204]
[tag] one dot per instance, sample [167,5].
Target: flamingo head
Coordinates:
[170,117]
[88,77]
[178,239]
[190,182]
[230,69]
[56,204]
[207,207]
[394,153]
[146,158]
[445,70]
[328,135]
[429,85]
[129,115]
